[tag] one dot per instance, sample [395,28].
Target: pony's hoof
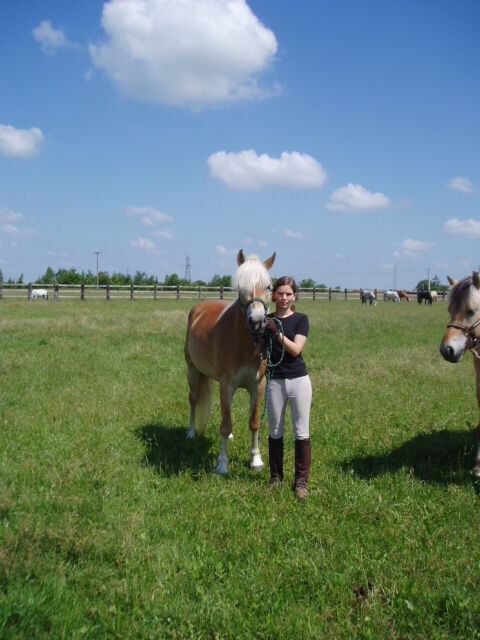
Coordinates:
[230,437]
[221,469]
[256,465]
[190,434]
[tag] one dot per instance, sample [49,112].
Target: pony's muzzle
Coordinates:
[257,325]
[449,353]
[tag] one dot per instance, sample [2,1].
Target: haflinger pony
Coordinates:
[391,295]
[403,295]
[463,332]
[39,293]
[368,295]
[223,343]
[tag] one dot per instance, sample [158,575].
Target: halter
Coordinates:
[251,301]
[469,332]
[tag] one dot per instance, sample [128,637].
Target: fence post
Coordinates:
[55,293]
[108,292]
[314,294]
[221,292]
[345,293]
[131,292]
[376,292]
[155,292]
[29,294]
[329,294]
[82,292]
[200,292]
[178,292]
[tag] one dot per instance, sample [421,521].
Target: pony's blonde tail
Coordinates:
[203,404]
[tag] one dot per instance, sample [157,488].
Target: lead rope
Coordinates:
[270,366]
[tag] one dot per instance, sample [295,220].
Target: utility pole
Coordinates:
[97,254]
[428,272]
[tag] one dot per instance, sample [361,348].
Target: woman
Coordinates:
[290,382]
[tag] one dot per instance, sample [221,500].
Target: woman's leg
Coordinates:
[300,398]
[276,406]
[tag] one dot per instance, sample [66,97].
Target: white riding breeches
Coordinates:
[296,391]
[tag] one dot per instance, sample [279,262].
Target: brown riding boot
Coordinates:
[275,458]
[302,467]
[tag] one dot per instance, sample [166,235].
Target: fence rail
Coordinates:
[155,292]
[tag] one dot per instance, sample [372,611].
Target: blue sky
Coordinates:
[342,134]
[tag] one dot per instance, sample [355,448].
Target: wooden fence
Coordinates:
[155,292]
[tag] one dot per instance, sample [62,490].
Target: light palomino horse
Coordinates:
[391,295]
[463,332]
[223,343]
[368,295]
[39,293]
[403,295]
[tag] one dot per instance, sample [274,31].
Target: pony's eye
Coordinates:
[269,288]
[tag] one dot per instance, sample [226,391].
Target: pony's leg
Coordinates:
[476,468]
[193,377]
[226,395]
[256,397]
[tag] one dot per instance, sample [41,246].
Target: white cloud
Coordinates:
[223,251]
[354,197]
[19,143]
[50,38]
[467,227]
[193,53]
[148,215]
[410,248]
[12,224]
[167,235]
[295,235]
[145,244]
[247,170]
[461,184]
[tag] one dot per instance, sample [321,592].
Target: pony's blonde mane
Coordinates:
[464,296]
[250,275]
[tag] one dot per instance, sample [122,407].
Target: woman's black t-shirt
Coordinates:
[290,367]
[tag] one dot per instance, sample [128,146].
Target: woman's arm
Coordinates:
[293,347]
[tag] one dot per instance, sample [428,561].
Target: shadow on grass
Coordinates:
[441,457]
[170,453]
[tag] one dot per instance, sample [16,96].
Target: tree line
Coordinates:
[141,278]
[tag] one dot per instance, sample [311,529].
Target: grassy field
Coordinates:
[112,525]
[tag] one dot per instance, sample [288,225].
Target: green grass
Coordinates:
[112,525]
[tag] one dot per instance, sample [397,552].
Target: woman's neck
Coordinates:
[283,313]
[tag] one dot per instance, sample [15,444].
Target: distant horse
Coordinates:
[403,295]
[424,296]
[367,295]
[434,296]
[39,293]
[223,343]
[391,295]
[463,332]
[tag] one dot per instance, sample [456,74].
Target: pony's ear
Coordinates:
[476,279]
[268,263]
[240,257]
[452,281]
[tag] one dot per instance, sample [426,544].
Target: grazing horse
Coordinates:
[223,343]
[463,332]
[434,296]
[426,296]
[368,295]
[403,295]
[39,293]
[391,295]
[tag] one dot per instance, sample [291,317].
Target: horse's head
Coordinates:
[463,330]
[254,286]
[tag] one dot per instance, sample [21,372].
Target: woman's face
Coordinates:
[284,297]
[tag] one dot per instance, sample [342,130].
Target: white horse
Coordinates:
[434,296]
[368,295]
[392,295]
[39,293]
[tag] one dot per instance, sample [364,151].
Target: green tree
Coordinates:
[172,280]
[220,281]
[1,276]
[306,283]
[20,279]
